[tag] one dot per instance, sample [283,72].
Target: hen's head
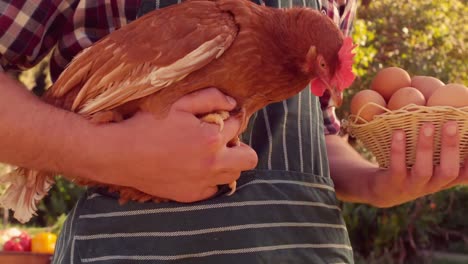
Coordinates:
[332,73]
[328,56]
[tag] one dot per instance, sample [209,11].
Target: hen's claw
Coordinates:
[235,142]
[233,186]
[216,118]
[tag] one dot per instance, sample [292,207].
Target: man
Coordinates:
[284,211]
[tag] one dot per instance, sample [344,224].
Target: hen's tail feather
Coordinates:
[26,188]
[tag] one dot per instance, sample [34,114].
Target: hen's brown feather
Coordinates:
[117,65]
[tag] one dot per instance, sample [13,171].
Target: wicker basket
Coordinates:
[376,134]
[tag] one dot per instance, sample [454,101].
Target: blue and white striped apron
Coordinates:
[284,211]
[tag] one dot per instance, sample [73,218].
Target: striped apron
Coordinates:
[284,211]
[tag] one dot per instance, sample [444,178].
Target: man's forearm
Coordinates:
[34,134]
[176,157]
[350,172]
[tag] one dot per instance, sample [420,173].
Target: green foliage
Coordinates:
[32,230]
[424,37]
[436,222]
[61,199]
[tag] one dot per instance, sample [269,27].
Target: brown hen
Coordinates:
[255,54]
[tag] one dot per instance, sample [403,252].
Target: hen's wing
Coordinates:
[147,55]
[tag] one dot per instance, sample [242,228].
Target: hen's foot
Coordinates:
[216,118]
[235,142]
[106,117]
[233,186]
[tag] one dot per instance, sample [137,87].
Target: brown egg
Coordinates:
[426,84]
[362,98]
[452,94]
[389,80]
[404,97]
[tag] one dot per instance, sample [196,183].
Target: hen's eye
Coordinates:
[322,64]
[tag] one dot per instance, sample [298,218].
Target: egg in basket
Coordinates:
[398,102]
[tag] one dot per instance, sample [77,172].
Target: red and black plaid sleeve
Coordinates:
[32,29]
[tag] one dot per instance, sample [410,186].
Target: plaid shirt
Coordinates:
[31,29]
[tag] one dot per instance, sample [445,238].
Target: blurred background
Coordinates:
[424,37]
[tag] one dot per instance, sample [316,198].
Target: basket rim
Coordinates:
[355,120]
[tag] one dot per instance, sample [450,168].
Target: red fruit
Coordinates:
[25,241]
[13,245]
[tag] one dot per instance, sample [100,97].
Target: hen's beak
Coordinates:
[336,96]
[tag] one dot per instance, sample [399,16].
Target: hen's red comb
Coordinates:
[345,75]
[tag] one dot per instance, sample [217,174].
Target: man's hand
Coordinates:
[398,184]
[179,157]
[360,181]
